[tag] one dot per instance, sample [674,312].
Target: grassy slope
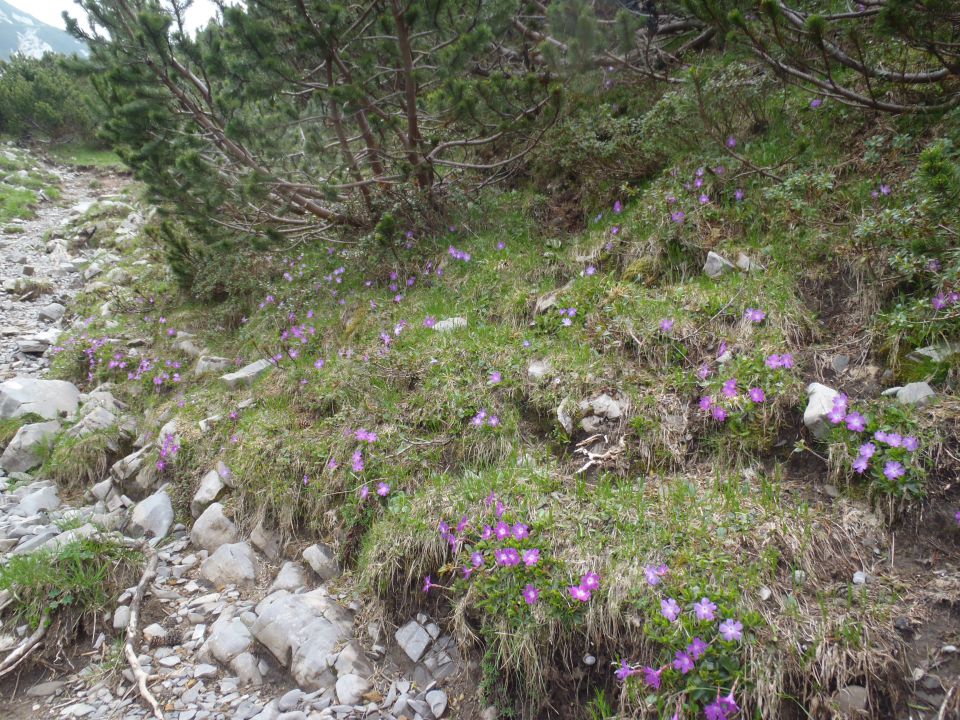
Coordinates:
[727,506]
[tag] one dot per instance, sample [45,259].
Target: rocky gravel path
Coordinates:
[233,627]
[40,274]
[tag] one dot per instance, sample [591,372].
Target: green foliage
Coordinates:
[46,98]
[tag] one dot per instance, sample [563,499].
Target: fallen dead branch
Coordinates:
[149,573]
[20,653]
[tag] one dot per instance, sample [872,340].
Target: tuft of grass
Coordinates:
[75,583]
[17,203]
[75,463]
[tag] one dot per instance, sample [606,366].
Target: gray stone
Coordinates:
[121,618]
[413,639]
[102,489]
[210,486]
[716,265]
[247,375]
[293,715]
[351,688]
[323,561]
[231,564]
[265,540]
[290,700]
[290,578]
[449,324]
[940,352]
[152,516]
[203,670]
[860,578]
[301,631]
[43,499]
[351,661]
[96,420]
[25,450]
[213,529]
[208,364]
[46,398]
[916,393]
[819,404]
[437,699]
[51,312]
[46,688]
[245,667]
[603,406]
[229,637]
[851,701]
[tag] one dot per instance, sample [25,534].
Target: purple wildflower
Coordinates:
[624,671]
[670,609]
[683,662]
[893,470]
[704,609]
[757,395]
[531,595]
[652,677]
[731,630]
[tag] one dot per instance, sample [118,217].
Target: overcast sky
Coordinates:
[49,11]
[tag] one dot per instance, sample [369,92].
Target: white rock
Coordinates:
[352,688]
[449,324]
[819,404]
[247,375]
[43,499]
[916,393]
[229,637]
[290,578]
[413,639]
[51,312]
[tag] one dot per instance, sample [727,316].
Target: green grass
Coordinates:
[75,583]
[17,204]
[86,157]
[719,503]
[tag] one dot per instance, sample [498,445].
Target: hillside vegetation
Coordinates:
[558,389]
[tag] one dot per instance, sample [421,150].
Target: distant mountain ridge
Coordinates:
[23,34]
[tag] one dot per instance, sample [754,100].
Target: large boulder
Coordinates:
[301,632]
[213,529]
[25,451]
[231,564]
[152,516]
[47,398]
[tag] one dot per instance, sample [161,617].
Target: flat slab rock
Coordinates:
[47,398]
